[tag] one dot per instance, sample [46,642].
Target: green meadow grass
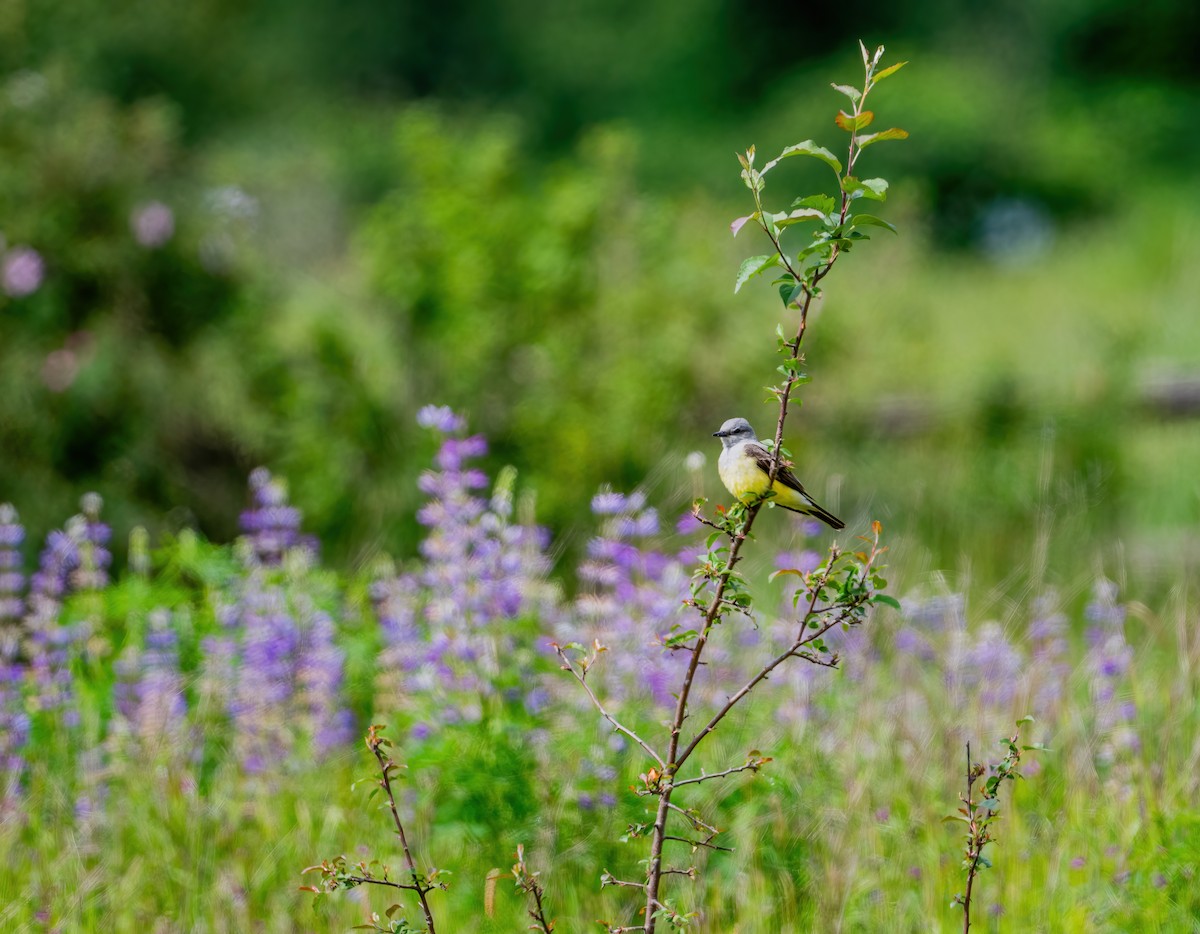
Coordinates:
[841,832]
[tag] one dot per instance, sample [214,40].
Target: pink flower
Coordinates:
[23,271]
[153,224]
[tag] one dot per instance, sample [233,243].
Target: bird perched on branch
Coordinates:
[745,469]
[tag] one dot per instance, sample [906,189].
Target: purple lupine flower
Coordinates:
[153,224]
[1048,669]
[14,734]
[804,561]
[1109,661]
[276,662]
[319,676]
[12,579]
[910,641]
[94,556]
[940,613]
[52,642]
[260,704]
[14,721]
[149,692]
[22,271]
[447,626]
[608,503]
[636,598]
[272,525]
[60,556]
[440,418]
[991,666]
[91,796]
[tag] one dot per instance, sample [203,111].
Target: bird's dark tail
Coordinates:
[818,513]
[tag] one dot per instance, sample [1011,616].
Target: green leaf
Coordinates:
[887,601]
[853,122]
[680,638]
[807,148]
[818,246]
[853,93]
[753,266]
[822,203]
[789,292]
[797,216]
[870,220]
[887,72]
[873,188]
[881,137]
[1028,718]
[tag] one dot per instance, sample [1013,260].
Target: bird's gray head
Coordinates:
[735,431]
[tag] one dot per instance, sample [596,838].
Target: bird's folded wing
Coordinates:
[762,458]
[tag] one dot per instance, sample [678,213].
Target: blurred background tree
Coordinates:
[267,232]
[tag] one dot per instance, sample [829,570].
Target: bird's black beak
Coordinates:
[720,434]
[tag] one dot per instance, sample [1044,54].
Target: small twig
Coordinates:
[617,725]
[372,880]
[751,766]
[700,517]
[528,883]
[376,743]
[980,816]
[696,820]
[607,878]
[696,844]
[832,662]
[974,847]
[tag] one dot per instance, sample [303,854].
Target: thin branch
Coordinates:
[972,845]
[538,912]
[816,592]
[737,538]
[792,651]
[376,743]
[747,767]
[696,821]
[617,725]
[528,883]
[700,517]
[612,880]
[729,704]
[695,844]
[831,662]
[372,880]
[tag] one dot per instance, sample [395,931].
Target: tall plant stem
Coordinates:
[674,759]
[419,885]
[975,847]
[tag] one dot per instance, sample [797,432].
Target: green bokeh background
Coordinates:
[521,210]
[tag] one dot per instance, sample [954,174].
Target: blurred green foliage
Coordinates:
[523,213]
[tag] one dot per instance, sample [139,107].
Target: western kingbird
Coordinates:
[745,468]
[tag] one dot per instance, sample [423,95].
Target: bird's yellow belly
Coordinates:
[745,480]
[741,476]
